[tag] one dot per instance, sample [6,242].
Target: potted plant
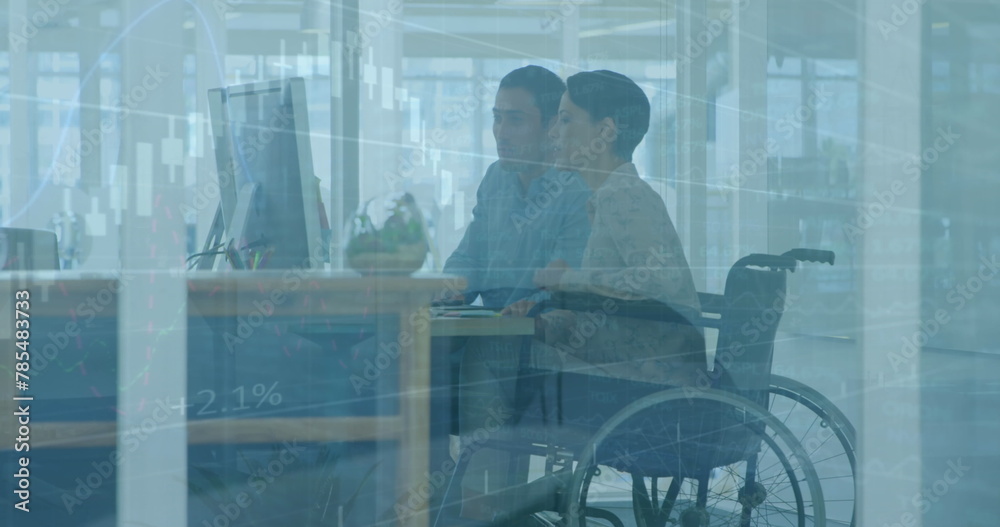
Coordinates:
[391,240]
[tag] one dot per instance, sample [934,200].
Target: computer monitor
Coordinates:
[224,161]
[269,194]
[28,250]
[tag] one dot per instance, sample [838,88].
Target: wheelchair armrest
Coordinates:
[641,309]
[712,303]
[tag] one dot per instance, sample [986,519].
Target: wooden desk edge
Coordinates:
[83,434]
[478,327]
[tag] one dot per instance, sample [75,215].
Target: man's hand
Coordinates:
[454,300]
[549,277]
[518,309]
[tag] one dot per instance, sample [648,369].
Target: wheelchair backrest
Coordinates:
[753,303]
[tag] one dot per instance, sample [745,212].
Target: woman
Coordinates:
[633,253]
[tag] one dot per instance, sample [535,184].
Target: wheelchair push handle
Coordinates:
[787,261]
[811,255]
[771,261]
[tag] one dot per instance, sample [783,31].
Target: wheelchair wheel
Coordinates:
[828,439]
[695,458]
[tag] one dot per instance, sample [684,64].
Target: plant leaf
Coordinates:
[252,465]
[216,482]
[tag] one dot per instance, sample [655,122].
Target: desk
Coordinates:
[481,327]
[243,295]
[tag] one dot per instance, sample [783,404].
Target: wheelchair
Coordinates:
[738,447]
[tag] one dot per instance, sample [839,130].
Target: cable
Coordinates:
[212,251]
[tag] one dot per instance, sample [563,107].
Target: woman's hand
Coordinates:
[549,277]
[518,309]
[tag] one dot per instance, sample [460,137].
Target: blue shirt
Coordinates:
[514,233]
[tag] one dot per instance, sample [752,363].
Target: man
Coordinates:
[633,253]
[527,213]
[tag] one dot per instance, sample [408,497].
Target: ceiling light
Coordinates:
[649,24]
[544,3]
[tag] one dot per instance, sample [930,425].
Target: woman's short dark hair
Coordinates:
[605,93]
[546,87]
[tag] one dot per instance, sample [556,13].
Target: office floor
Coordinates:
[960,394]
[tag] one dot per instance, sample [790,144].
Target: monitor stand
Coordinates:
[213,242]
[241,219]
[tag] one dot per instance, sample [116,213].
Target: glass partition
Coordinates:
[862,128]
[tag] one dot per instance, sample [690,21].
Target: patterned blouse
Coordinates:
[633,253]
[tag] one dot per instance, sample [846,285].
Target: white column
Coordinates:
[379,133]
[890,303]
[380,110]
[152,324]
[210,72]
[748,52]
[345,62]
[90,102]
[692,200]
[571,43]
[22,89]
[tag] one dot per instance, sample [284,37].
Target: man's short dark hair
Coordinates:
[546,88]
[605,93]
